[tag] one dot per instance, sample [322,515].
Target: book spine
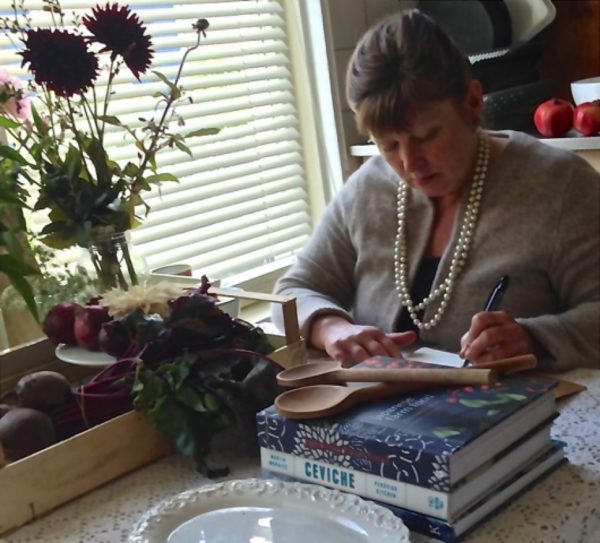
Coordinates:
[406,495]
[299,442]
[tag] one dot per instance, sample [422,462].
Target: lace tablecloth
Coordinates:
[564,507]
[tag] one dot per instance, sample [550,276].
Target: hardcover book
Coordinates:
[491,504]
[439,504]
[449,531]
[432,439]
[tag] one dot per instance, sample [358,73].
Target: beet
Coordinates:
[43,390]
[4,408]
[24,431]
[58,323]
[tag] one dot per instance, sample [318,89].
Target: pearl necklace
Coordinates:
[461,252]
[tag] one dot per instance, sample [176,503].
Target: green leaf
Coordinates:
[131,170]
[22,286]
[193,399]
[5,122]
[73,162]
[99,158]
[183,147]
[12,266]
[161,177]
[175,91]
[175,373]
[10,197]
[16,271]
[147,387]
[10,153]
[110,119]
[40,126]
[57,241]
[203,132]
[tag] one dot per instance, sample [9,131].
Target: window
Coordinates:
[249,195]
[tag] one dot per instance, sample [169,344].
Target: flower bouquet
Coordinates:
[57,143]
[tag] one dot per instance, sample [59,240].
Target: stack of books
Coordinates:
[442,460]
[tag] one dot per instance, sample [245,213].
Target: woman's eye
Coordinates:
[428,136]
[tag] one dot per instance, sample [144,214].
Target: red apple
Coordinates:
[58,323]
[586,118]
[554,117]
[87,325]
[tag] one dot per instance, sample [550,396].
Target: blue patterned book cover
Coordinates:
[432,439]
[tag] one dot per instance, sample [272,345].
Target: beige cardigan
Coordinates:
[539,223]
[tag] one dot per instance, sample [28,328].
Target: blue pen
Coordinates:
[494,299]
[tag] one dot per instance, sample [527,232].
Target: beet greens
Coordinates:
[195,373]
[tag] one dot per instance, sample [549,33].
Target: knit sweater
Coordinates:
[538,223]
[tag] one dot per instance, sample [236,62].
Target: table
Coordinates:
[564,507]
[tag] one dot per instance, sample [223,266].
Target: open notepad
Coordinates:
[434,356]
[429,355]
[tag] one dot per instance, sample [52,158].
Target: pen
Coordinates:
[494,300]
[495,297]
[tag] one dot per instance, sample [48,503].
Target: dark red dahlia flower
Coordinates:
[60,61]
[122,33]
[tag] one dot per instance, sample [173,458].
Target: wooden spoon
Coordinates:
[315,373]
[323,400]
[316,401]
[509,365]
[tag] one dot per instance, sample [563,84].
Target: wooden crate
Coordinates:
[51,477]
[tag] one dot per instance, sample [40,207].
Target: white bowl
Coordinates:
[586,90]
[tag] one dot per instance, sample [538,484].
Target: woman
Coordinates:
[411,246]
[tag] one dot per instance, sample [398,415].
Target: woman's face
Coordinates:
[436,154]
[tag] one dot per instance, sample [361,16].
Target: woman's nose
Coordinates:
[411,157]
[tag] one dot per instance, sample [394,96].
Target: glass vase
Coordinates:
[115,262]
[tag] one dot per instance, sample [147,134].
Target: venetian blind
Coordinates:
[242,201]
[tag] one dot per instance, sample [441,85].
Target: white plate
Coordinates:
[82,357]
[252,510]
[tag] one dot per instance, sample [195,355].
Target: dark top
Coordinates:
[419,290]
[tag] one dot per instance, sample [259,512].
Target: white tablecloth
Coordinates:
[564,507]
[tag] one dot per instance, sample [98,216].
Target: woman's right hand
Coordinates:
[351,343]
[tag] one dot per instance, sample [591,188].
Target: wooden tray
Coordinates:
[53,476]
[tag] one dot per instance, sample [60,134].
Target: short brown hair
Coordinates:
[404,60]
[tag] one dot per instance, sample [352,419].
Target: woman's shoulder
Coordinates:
[538,154]
[373,172]
[535,164]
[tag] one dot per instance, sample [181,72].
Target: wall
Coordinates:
[347,21]
[572,44]
[572,49]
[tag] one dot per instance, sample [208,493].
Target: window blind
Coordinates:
[242,201]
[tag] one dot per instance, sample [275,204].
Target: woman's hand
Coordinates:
[494,335]
[352,343]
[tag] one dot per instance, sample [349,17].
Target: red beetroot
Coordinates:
[58,323]
[87,325]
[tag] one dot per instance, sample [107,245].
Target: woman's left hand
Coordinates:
[494,335]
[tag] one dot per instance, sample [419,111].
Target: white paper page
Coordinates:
[435,356]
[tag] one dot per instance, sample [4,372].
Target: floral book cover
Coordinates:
[429,439]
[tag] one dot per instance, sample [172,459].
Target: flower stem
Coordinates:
[150,150]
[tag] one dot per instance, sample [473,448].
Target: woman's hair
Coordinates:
[403,61]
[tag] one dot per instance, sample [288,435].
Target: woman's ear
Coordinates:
[474,100]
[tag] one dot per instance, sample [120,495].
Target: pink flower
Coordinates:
[13,101]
